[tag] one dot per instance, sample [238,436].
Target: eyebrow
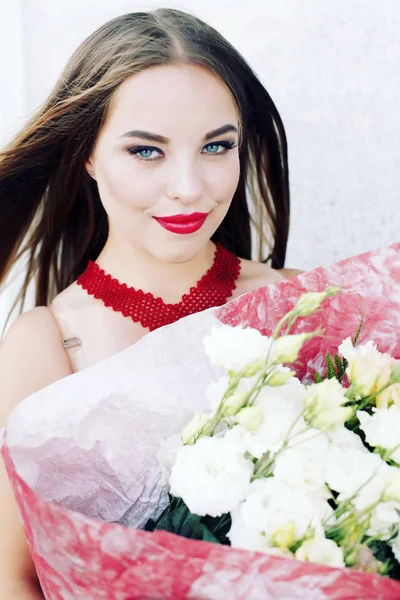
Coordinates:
[154,137]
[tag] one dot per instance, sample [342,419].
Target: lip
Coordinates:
[183,224]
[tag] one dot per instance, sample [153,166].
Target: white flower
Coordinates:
[352,472]
[251,538]
[235,348]
[324,405]
[212,476]
[166,455]
[193,429]
[344,438]
[382,518]
[392,487]
[365,365]
[275,511]
[382,429]
[281,407]
[235,436]
[303,465]
[321,551]
[390,395]
[396,548]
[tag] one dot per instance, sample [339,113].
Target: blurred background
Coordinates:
[331,66]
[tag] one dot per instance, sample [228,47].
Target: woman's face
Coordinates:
[169,148]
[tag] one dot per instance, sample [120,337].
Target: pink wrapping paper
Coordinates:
[79,556]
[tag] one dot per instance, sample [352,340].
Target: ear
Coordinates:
[89,168]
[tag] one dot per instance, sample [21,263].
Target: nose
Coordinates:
[185,183]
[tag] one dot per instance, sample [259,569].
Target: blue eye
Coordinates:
[219,148]
[146,153]
[213,148]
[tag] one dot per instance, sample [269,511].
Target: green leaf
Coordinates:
[318,378]
[341,368]
[178,519]
[331,367]
[201,532]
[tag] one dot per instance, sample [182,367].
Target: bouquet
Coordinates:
[307,472]
[81,454]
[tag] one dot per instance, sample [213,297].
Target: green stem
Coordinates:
[369,399]
[281,323]
[388,453]
[353,518]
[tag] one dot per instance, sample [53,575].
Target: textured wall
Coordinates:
[333,69]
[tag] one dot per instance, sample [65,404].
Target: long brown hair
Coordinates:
[50,208]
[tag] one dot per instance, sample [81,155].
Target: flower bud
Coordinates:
[234,403]
[254,368]
[284,536]
[250,417]
[324,405]
[194,428]
[287,347]
[309,302]
[279,378]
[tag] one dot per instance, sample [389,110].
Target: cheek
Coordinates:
[223,180]
[122,182]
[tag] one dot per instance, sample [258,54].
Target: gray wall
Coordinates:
[331,66]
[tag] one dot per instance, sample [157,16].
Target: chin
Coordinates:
[180,251]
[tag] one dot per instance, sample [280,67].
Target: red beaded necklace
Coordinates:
[213,289]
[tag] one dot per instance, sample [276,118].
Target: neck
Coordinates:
[143,271]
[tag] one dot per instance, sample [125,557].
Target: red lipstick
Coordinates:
[183,223]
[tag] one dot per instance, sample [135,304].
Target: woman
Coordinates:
[140,160]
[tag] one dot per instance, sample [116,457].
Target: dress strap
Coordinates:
[72,342]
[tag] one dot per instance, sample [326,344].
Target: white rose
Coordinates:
[304,464]
[365,365]
[251,538]
[281,407]
[352,472]
[344,438]
[321,551]
[324,405]
[272,507]
[382,429]
[382,518]
[235,348]
[212,476]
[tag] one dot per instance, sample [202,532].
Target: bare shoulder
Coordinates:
[31,357]
[255,274]
[31,325]
[72,297]
[288,273]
